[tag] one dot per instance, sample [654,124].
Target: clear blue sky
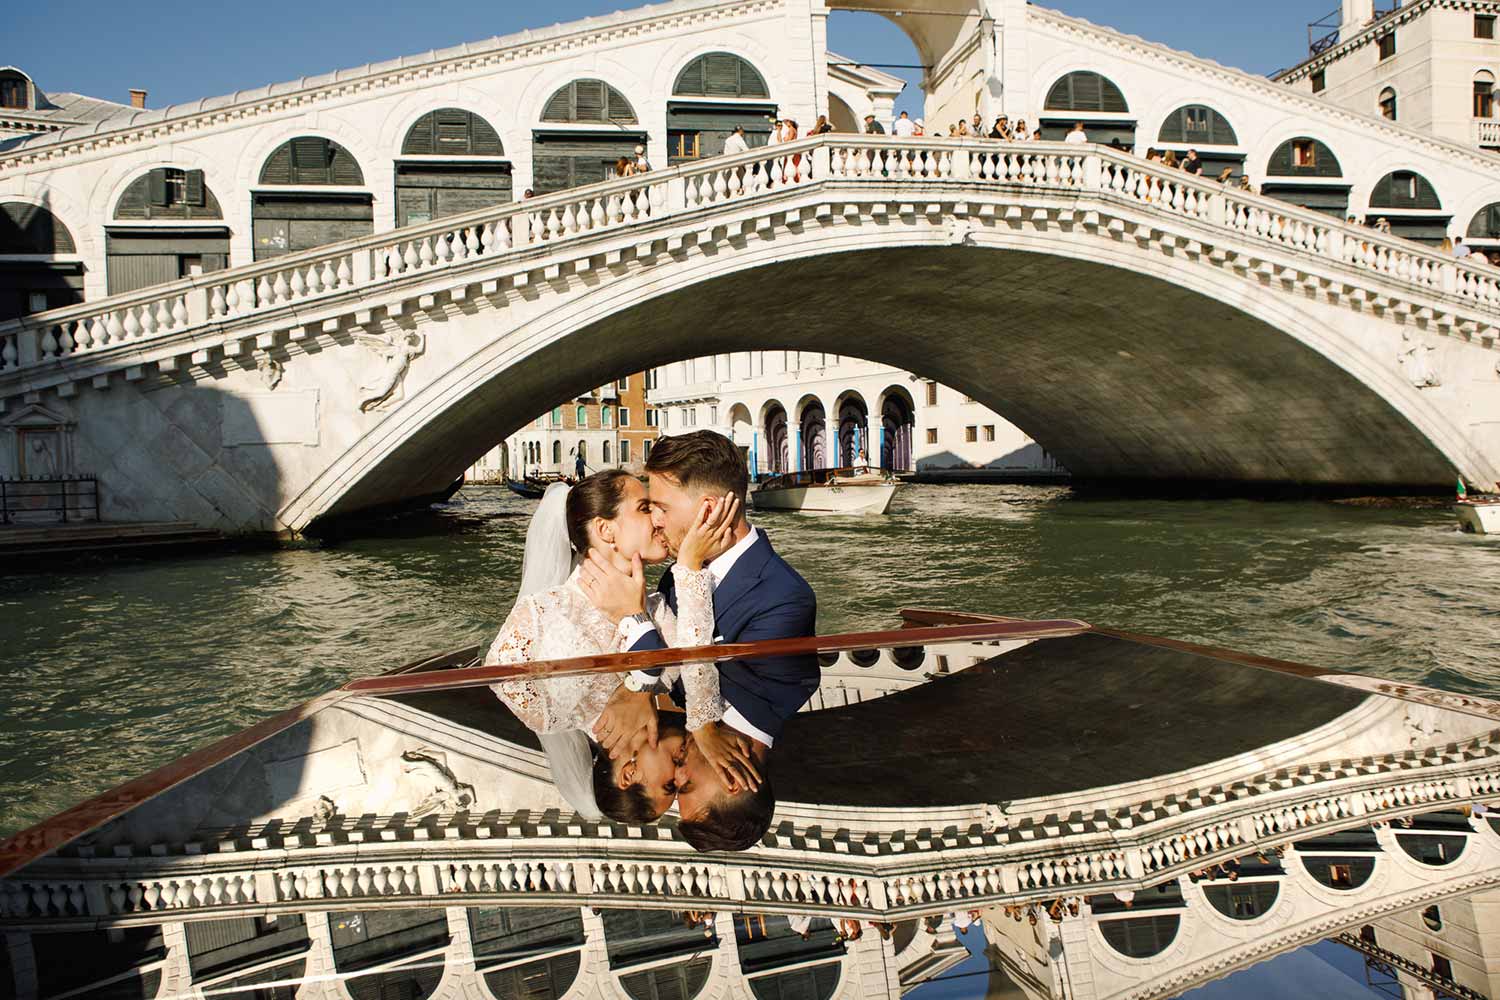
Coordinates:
[104,48]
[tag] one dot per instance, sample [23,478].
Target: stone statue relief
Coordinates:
[435,782]
[1416,361]
[396,351]
[270,370]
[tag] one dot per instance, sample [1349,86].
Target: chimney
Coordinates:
[1356,14]
[138,97]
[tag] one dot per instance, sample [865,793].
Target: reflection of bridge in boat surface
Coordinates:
[974,768]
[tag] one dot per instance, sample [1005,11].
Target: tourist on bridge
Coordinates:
[1001,129]
[775,136]
[873,127]
[1077,134]
[820,127]
[736,142]
[904,127]
[976,127]
[1191,163]
[1022,134]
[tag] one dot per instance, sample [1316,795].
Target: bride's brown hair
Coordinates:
[598,495]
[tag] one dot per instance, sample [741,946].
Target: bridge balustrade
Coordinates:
[296,285]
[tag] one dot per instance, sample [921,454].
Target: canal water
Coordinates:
[111,669]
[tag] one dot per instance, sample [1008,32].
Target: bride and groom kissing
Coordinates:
[583,592]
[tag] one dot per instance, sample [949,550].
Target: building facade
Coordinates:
[604,428]
[790,411]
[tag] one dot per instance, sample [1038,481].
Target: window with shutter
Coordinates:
[193,188]
[156,187]
[589,101]
[418,141]
[1197,123]
[30,229]
[1404,189]
[720,74]
[1486,223]
[1085,91]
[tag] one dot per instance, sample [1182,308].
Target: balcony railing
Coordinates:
[1487,132]
[307,293]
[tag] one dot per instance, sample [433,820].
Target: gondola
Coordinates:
[532,487]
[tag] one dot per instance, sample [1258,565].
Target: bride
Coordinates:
[553,618]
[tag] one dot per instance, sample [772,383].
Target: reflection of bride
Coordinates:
[553,619]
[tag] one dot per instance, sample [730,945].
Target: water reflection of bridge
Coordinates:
[1064,776]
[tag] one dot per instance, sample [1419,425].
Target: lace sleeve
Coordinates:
[693,625]
[517,643]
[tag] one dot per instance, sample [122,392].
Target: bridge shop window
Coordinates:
[1140,937]
[220,947]
[32,277]
[570,156]
[407,946]
[456,165]
[122,962]
[141,257]
[290,212]
[1484,228]
[1242,901]
[1410,203]
[1304,171]
[1092,99]
[1197,126]
[552,937]
[714,94]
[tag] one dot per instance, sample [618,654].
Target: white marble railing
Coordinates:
[1486,132]
[1234,224]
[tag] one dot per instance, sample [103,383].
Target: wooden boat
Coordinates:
[532,487]
[1480,515]
[1113,786]
[856,490]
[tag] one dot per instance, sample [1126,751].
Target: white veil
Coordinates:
[549,555]
[548,563]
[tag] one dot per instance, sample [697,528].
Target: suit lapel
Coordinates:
[742,578]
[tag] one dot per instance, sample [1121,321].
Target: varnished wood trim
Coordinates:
[439,680]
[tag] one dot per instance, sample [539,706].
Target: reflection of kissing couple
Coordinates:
[583,592]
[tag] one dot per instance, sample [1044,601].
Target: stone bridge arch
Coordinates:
[1126,367]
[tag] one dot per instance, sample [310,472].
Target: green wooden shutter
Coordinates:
[343,169]
[194,188]
[559,106]
[721,75]
[620,109]
[451,131]
[486,141]
[419,137]
[156,186]
[588,96]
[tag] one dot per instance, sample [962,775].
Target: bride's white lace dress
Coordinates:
[561,622]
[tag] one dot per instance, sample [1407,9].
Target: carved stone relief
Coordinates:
[396,352]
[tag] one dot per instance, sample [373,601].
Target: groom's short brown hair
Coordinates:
[703,461]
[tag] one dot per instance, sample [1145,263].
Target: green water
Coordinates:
[112,669]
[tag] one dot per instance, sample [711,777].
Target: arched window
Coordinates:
[1085,91]
[451,132]
[581,416]
[1244,901]
[1387,103]
[1140,937]
[1303,157]
[1484,94]
[1433,918]
[168,193]
[1197,124]
[583,452]
[1431,848]
[557,453]
[589,101]
[311,159]
[682,981]
[817,982]
[505,936]
[606,416]
[720,74]
[31,229]
[15,90]
[1404,189]
[604,452]
[1486,223]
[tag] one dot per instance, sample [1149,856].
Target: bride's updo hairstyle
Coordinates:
[598,495]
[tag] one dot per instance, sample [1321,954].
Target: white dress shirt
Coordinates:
[1076,137]
[735,143]
[903,127]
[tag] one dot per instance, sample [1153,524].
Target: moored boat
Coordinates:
[1481,516]
[532,487]
[857,490]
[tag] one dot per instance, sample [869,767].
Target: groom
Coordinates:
[757,597]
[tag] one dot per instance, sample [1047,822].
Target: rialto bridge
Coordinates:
[415,841]
[1139,326]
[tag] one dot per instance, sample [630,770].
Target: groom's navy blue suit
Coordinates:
[760,598]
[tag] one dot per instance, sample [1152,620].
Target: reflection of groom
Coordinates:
[757,597]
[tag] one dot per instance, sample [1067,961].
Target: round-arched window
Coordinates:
[589,102]
[311,159]
[1197,124]
[1387,103]
[1085,91]
[720,74]
[452,132]
[1140,937]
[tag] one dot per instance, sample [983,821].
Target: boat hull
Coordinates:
[853,499]
[1481,518]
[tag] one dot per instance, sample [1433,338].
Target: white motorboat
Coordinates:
[859,490]
[1481,516]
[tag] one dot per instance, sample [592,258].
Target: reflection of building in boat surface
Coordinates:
[1167,814]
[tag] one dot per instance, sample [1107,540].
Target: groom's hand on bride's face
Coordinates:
[627,723]
[617,588]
